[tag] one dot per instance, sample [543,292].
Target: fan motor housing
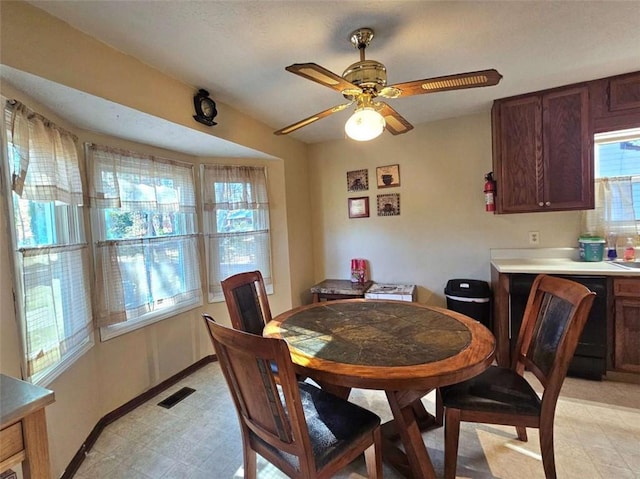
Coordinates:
[369,75]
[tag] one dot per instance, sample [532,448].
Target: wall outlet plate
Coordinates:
[534,238]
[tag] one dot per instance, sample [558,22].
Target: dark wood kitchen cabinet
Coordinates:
[615,102]
[627,324]
[542,151]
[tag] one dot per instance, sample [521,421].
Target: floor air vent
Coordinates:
[175,398]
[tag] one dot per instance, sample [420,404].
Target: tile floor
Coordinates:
[597,436]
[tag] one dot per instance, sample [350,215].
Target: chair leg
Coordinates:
[439,408]
[373,456]
[250,465]
[522,433]
[451,437]
[548,455]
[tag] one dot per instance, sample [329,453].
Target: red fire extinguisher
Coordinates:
[489,192]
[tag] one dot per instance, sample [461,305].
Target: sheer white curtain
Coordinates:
[51,252]
[143,211]
[132,181]
[614,211]
[58,304]
[236,222]
[45,158]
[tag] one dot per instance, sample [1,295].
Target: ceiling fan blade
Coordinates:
[449,82]
[318,74]
[395,123]
[307,121]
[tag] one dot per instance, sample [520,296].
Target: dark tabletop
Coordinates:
[382,344]
[376,333]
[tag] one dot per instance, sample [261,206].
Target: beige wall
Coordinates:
[443,231]
[115,371]
[35,42]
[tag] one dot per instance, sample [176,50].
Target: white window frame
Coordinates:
[61,224]
[617,137]
[100,240]
[251,200]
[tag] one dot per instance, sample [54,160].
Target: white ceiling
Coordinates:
[238,51]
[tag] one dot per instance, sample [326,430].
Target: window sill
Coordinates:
[115,330]
[45,378]
[220,297]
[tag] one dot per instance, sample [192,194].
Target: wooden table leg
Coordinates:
[416,462]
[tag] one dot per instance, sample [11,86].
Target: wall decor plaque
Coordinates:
[359,207]
[388,176]
[358,180]
[389,205]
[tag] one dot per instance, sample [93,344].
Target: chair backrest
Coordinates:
[271,416]
[247,301]
[556,312]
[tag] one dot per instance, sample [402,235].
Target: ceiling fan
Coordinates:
[366,80]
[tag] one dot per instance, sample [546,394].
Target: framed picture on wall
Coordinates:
[389,205]
[388,176]
[359,207]
[357,180]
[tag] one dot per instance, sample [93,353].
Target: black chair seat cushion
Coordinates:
[333,424]
[497,389]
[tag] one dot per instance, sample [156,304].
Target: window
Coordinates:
[236,218]
[50,251]
[146,247]
[617,155]
[617,185]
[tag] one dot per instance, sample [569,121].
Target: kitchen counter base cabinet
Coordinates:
[23,427]
[590,358]
[627,324]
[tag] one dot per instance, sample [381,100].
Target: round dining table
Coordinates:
[406,349]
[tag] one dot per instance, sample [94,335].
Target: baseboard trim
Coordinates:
[126,408]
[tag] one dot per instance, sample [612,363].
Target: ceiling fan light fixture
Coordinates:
[365,124]
[366,80]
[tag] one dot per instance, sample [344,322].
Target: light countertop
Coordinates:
[554,261]
[20,398]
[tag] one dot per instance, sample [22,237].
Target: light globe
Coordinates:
[364,125]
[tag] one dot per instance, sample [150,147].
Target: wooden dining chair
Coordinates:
[555,314]
[302,430]
[247,302]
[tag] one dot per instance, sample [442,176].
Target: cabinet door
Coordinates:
[615,102]
[624,93]
[627,334]
[517,129]
[568,170]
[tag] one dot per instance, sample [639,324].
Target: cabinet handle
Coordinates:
[541,204]
[548,203]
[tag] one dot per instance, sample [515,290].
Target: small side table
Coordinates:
[330,289]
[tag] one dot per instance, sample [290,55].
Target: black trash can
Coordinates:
[471,297]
